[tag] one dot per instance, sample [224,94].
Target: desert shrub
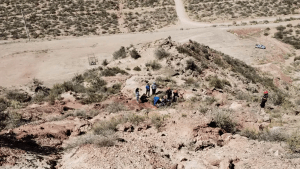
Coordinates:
[92,98]
[97,84]
[93,113]
[37,82]
[251,134]
[101,141]
[218,83]
[80,113]
[266,34]
[219,62]
[18,96]
[189,81]
[278,98]
[121,53]
[184,50]
[203,109]
[105,62]
[113,71]
[293,142]
[134,119]
[154,65]
[78,79]
[13,120]
[106,127]
[266,135]
[157,121]
[190,65]
[3,104]
[115,107]
[39,97]
[243,96]
[280,28]
[223,119]
[273,136]
[296,58]
[134,54]
[161,53]
[115,88]
[210,100]
[137,68]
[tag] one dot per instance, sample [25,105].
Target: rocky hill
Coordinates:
[94,121]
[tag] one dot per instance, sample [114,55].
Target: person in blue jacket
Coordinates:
[153,88]
[148,89]
[137,93]
[156,101]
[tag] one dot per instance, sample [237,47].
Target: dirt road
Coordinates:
[58,60]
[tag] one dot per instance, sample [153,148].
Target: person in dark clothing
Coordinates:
[164,101]
[175,96]
[148,89]
[169,93]
[144,98]
[153,88]
[264,100]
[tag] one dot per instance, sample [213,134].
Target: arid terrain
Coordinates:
[58,111]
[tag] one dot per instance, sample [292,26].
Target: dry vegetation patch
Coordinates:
[220,10]
[49,19]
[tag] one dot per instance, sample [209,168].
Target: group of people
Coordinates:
[171,96]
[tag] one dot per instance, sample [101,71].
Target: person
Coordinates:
[169,93]
[156,101]
[264,100]
[164,101]
[137,93]
[175,96]
[153,88]
[148,89]
[144,98]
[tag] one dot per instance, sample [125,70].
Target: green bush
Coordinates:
[210,100]
[101,141]
[113,71]
[278,98]
[134,54]
[154,65]
[280,28]
[158,121]
[3,104]
[161,53]
[218,83]
[190,81]
[115,107]
[223,119]
[18,96]
[121,53]
[190,65]
[13,120]
[137,68]
[106,127]
[293,142]
[105,62]
[92,98]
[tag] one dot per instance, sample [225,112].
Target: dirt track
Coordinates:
[58,60]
